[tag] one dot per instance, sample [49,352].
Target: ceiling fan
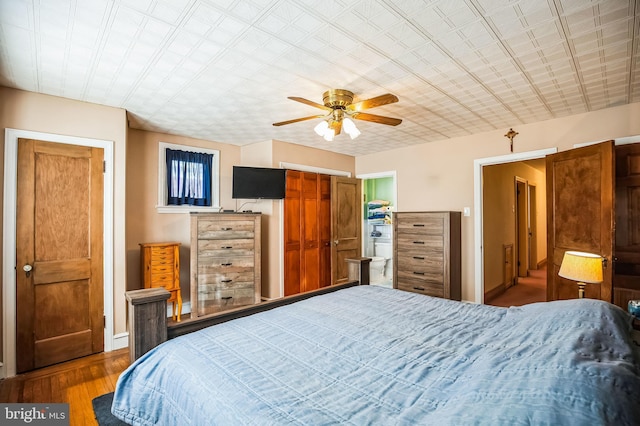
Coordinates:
[339,107]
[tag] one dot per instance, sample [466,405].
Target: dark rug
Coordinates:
[102,410]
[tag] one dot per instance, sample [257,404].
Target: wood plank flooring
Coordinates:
[76,382]
[529,289]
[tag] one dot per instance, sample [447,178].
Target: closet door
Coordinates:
[293,233]
[580,185]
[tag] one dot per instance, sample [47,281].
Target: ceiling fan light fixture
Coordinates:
[321,128]
[350,127]
[329,134]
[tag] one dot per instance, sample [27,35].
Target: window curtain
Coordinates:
[188,178]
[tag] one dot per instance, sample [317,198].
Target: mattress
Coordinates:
[374,355]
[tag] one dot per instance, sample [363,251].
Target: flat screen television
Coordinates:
[258,182]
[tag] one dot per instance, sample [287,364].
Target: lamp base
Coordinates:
[581,287]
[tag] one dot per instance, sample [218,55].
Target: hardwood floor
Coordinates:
[76,382]
[528,290]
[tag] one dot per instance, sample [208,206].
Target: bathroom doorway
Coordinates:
[379,202]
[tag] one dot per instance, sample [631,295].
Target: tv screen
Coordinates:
[258,182]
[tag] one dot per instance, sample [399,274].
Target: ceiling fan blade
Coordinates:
[376,118]
[308,102]
[373,102]
[295,120]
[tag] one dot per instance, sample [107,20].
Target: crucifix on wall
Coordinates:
[511,134]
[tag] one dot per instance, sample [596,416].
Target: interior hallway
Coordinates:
[530,289]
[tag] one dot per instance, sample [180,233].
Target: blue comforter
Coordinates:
[373,355]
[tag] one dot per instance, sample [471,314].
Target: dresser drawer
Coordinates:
[225,229]
[422,287]
[412,224]
[166,280]
[417,245]
[225,248]
[226,264]
[421,263]
[220,300]
[162,252]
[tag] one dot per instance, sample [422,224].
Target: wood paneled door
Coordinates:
[346,229]
[626,280]
[580,184]
[307,232]
[59,253]
[322,226]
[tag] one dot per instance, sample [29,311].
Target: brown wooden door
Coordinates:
[580,185]
[292,233]
[626,279]
[324,227]
[307,232]
[346,217]
[59,235]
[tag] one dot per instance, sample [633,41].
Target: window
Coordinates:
[188,178]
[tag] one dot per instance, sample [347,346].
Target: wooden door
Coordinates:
[310,259]
[580,186]
[59,301]
[346,217]
[626,279]
[292,233]
[324,227]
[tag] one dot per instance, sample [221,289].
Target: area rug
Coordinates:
[102,411]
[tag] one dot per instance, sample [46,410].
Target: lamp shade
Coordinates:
[580,266]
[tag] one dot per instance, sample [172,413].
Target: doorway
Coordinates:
[486,272]
[379,192]
[9,244]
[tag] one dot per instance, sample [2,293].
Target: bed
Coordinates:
[374,355]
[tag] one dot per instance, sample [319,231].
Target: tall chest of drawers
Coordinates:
[426,254]
[225,261]
[160,266]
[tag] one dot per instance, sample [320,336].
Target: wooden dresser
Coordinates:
[426,253]
[225,261]
[160,265]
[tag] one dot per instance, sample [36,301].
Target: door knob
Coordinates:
[27,268]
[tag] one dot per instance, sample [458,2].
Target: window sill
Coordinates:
[188,209]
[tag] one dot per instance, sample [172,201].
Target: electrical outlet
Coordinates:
[466,211]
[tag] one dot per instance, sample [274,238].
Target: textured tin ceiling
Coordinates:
[221,70]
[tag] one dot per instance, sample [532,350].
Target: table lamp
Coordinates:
[585,268]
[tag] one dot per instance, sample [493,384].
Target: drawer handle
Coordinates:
[226,297]
[418,257]
[226,247]
[418,273]
[418,242]
[226,264]
[419,224]
[228,280]
[419,288]
[226,229]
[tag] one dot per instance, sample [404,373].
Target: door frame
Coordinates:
[478,251]
[9,231]
[521,220]
[390,174]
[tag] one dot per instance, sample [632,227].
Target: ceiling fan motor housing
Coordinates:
[337,98]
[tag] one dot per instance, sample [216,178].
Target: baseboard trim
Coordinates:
[120,341]
[495,292]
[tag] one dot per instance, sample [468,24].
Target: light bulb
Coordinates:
[321,128]
[329,134]
[350,127]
